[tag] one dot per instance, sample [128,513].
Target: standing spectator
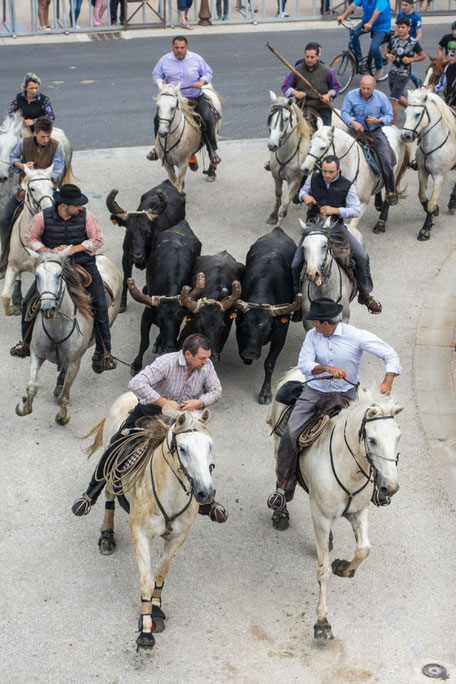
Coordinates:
[414,30]
[447,45]
[402,50]
[98,11]
[428,4]
[31,102]
[183,7]
[43,15]
[75,9]
[281,11]
[221,17]
[113,5]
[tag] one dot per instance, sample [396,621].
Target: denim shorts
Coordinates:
[182,5]
[397,83]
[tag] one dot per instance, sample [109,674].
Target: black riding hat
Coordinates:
[70,194]
[323,309]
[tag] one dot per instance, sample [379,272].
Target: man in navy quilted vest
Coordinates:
[68,222]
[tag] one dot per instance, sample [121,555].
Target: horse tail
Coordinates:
[69,176]
[97,430]
[402,193]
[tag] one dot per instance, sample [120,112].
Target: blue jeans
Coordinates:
[76,6]
[414,78]
[377,39]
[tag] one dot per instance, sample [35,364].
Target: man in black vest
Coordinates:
[66,223]
[328,193]
[320,76]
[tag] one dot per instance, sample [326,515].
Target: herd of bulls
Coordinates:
[204,291]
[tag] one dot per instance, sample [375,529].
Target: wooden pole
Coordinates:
[282,59]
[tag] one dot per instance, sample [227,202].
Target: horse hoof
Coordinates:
[264,399]
[193,166]
[272,220]
[339,568]
[106,543]
[451,210]
[58,390]
[322,630]
[211,179]
[123,307]
[424,234]
[20,410]
[145,642]
[16,311]
[62,420]
[436,211]
[379,227]
[280,520]
[159,618]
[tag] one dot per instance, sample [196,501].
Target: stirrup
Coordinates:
[277,500]
[152,156]
[20,350]
[216,512]
[82,505]
[215,159]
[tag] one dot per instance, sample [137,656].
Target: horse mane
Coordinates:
[79,296]
[192,117]
[11,124]
[336,238]
[302,124]
[370,397]
[418,97]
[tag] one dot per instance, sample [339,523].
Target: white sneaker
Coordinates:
[284,15]
[379,73]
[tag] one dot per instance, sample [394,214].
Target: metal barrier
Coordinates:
[20,17]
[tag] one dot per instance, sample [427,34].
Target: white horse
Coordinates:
[289,143]
[10,131]
[322,275]
[39,189]
[179,133]
[163,496]
[432,122]
[355,453]
[353,165]
[64,329]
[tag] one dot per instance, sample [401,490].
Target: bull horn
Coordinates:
[242,306]
[137,295]
[160,209]
[186,300]
[229,301]
[114,208]
[199,285]
[283,309]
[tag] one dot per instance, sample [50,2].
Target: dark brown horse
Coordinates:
[435,69]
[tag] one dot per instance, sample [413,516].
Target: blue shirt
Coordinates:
[353,208]
[57,163]
[192,68]
[343,349]
[355,107]
[415,22]
[383,21]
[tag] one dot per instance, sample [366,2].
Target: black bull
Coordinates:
[163,199]
[169,269]
[267,284]
[213,317]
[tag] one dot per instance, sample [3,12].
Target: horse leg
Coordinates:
[127,268]
[24,407]
[16,296]
[452,201]
[141,546]
[106,542]
[380,226]
[170,547]
[322,529]
[272,220]
[378,202]
[147,318]
[59,384]
[171,175]
[10,279]
[181,171]
[277,341]
[360,523]
[291,191]
[431,208]
[63,400]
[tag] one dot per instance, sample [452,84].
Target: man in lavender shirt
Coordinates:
[192,72]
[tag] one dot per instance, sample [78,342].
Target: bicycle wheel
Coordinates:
[370,63]
[344,68]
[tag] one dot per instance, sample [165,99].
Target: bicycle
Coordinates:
[347,63]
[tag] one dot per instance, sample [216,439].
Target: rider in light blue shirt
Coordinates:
[376,19]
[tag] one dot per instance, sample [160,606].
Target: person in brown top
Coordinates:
[39,151]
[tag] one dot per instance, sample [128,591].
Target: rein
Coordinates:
[425,132]
[36,204]
[278,109]
[327,269]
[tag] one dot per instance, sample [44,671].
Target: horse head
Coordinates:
[321,141]
[9,135]
[168,102]
[193,446]
[39,189]
[435,69]
[417,116]
[316,249]
[49,279]
[381,434]
[281,120]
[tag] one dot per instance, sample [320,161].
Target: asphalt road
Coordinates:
[101,91]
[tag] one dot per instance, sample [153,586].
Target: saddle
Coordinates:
[86,280]
[371,156]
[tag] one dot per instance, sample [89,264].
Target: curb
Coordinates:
[433,358]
